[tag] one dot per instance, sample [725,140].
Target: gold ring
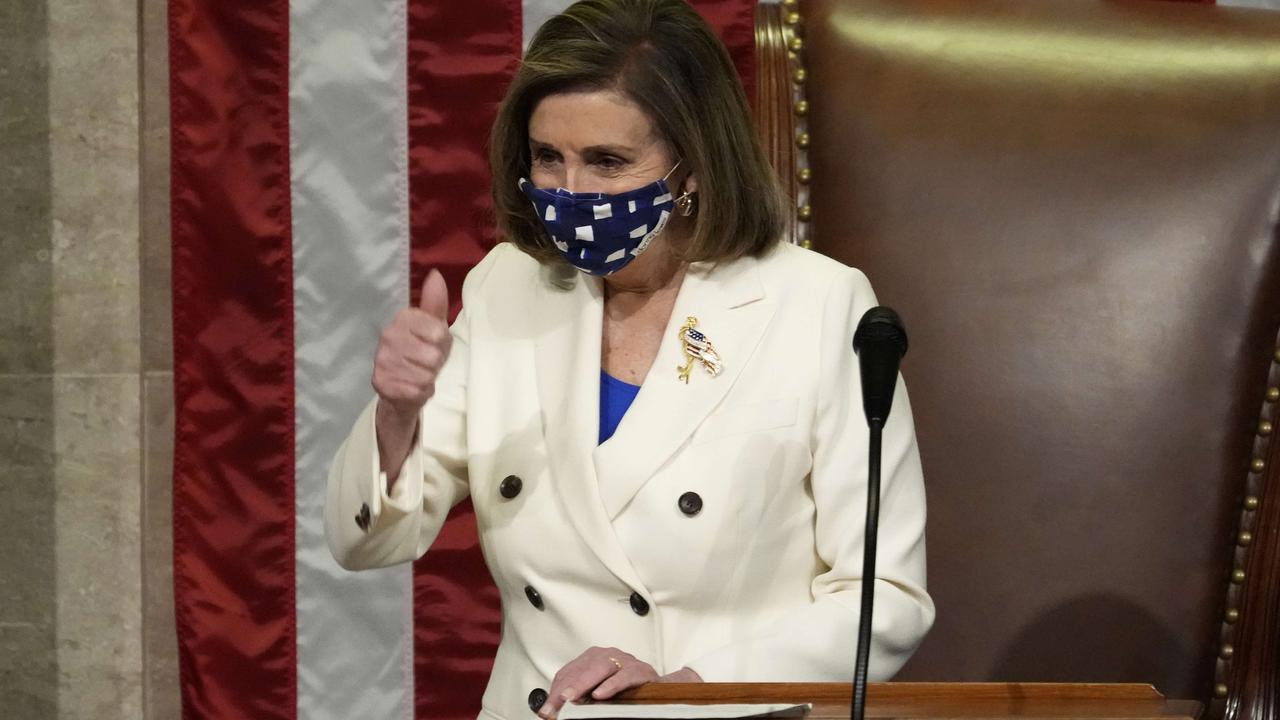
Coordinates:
[616,663]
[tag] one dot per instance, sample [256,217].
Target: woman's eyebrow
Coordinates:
[535,144]
[608,150]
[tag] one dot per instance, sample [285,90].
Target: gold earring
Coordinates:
[685,203]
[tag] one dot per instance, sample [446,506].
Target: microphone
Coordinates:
[880,342]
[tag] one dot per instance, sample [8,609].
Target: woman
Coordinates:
[651,401]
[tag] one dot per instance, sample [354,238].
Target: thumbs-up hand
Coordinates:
[411,351]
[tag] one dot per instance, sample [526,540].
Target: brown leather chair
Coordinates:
[1074,207]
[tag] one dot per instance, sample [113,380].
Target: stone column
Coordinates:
[71,361]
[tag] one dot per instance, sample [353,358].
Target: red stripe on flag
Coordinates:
[734,21]
[233,503]
[462,55]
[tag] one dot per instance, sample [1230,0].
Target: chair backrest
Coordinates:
[1074,207]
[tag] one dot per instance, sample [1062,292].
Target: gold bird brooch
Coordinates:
[697,348]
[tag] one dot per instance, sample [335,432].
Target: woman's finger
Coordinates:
[427,329]
[566,686]
[422,357]
[633,674]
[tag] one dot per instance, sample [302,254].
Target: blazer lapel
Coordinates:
[732,312]
[567,356]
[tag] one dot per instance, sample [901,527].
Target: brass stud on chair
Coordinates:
[802,140]
[1264,428]
[1258,465]
[804,175]
[790,4]
[799,76]
[1232,616]
[1244,538]
[793,18]
[796,43]
[804,212]
[1251,502]
[802,107]
[1220,690]
[1226,652]
[1237,576]
[1273,394]
[807,244]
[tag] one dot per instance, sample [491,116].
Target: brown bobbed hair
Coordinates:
[662,56]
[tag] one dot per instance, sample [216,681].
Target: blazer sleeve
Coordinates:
[402,524]
[818,641]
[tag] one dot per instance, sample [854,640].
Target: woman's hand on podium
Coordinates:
[599,674]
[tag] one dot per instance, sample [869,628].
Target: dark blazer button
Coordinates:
[362,519]
[537,698]
[639,604]
[535,599]
[510,486]
[690,503]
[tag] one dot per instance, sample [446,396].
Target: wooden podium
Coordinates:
[938,700]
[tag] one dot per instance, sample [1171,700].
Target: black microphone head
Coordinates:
[880,324]
[880,342]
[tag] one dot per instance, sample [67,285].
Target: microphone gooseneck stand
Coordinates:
[880,342]
[868,572]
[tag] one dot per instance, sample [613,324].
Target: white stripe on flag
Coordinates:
[536,12]
[348,151]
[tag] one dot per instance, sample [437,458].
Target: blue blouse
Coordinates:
[615,397]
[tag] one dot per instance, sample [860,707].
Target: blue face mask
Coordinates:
[599,233]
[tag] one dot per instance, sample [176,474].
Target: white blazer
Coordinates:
[592,545]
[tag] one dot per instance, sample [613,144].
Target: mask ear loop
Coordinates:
[673,169]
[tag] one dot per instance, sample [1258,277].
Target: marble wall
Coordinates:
[28,591]
[86,609]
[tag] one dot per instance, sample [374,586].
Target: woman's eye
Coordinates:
[544,157]
[610,162]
